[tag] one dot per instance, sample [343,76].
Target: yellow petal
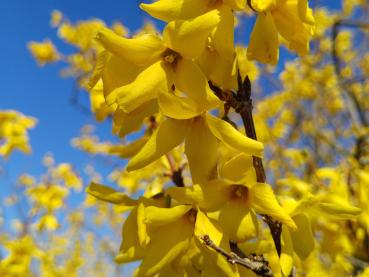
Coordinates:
[179,34]
[226,133]
[217,69]
[239,169]
[262,5]
[207,227]
[169,134]
[291,28]
[117,72]
[156,216]
[101,60]
[264,44]
[209,197]
[141,50]
[142,234]
[126,123]
[108,194]
[337,211]
[238,221]
[223,35]
[286,258]
[235,4]
[187,195]
[191,80]
[305,13]
[302,238]
[128,150]
[169,242]
[145,87]
[201,151]
[129,249]
[314,206]
[263,201]
[178,107]
[168,10]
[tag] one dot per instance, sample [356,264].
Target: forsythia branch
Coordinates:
[241,102]
[253,262]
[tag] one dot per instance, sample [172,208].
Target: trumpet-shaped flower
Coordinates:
[301,241]
[201,132]
[292,19]
[235,205]
[222,37]
[164,62]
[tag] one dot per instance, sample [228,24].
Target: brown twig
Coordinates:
[241,102]
[255,263]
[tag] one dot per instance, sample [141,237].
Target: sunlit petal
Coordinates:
[226,133]
[179,34]
[169,134]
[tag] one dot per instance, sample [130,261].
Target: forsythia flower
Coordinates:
[44,52]
[13,132]
[292,19]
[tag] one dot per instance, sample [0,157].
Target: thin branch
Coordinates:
[354,106]
[255,263]
[241,102]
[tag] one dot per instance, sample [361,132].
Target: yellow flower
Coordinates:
[44,52]
[161,63]
[292,19]
[189,122]
[235,205]
[222,37]
[301,240]
[13,132]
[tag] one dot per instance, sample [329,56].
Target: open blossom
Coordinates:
[290,19]
[44,52]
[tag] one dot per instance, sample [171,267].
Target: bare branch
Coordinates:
[255,263]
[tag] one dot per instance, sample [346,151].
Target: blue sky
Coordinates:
[41,92]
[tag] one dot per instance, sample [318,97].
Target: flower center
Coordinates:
[191,215]
[239,192]
[171,56]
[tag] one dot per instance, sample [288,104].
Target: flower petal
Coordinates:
[191,80]
[201,151]
[264,44]
[302,238]
[179,34]
[209,197]
[262,5]
[156,216]
[238,221]
[223,35]
[126,123]
[239,169]
[286,258]
[226,133]
[117,72]
[169,134]
[168,243]
[143,237]
[145,87]
[141,50]
[263,200]
[169,10]
[207,227]
[110,195]
[178,107]
[129,249]
[305,13]
[235,4]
